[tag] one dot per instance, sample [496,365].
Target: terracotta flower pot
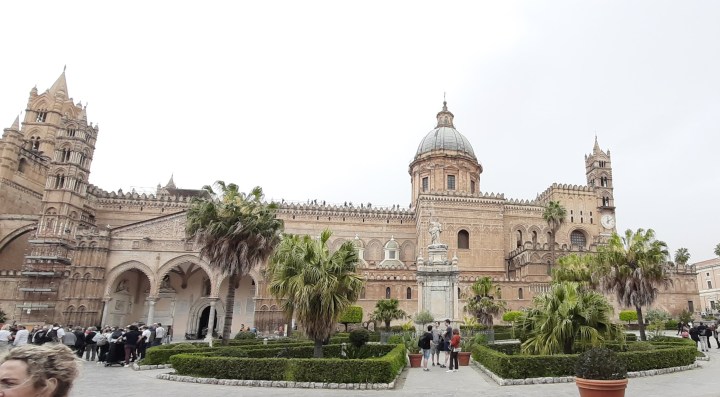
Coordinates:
[601,388]
[415,360]
[464,358]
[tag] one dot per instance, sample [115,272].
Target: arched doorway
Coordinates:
[204,321]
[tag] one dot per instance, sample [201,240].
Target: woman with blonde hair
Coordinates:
[38,371]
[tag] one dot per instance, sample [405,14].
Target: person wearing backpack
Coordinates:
[79,341]
[424,344]
[90,344]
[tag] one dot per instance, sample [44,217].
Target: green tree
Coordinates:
[568,314]
[485,301]
[577,268]
[316,285]
[632,266]
[353,315]
[236,231]
[628,315]
[424,317]
[554,214]
[682,256]
[387,310]
[717,249]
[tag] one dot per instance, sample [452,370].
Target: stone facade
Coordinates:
[708,277]
[74,253]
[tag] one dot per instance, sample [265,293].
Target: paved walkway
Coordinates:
[124,382]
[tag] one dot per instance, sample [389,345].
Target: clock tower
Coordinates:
[598,170]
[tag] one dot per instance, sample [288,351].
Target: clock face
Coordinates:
[608,221]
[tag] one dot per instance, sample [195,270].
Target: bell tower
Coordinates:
[57,128]
[598,170]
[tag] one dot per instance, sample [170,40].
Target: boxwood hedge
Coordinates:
[520,366]
[376,370]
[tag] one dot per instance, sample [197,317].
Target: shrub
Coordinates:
[424,317]
[352,315]
[359,337]
[396,339]
[600,363]
[628,315]
[245,335]
[512,316]
[671,324]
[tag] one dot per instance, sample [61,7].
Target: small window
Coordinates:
[709,284]
[691,307]
[534,238]
[518,238]
[601,164]
[472,187]
[408,293]
[520,293]
[391,254]
[71,132]
[463,239]
[707,274]
[606,201]
[603,181]
[451,182]
[21,165]
[387,293]
[41,117]
[425,184]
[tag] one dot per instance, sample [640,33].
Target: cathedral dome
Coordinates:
[445,137]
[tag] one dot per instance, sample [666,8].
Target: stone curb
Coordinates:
[278,383]
[136,367]
[567,379]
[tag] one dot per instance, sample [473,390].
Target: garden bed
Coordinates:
[382,369]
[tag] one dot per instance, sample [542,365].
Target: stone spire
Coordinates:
[60,85]
[596,148]
[16,124]
[444,117]
[171,183]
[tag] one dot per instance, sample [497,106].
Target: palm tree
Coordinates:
[633,267]
[314,284]
[682,256]
[717,249]
[236,231]
[387,310]
[554,215]
[483,304]
[567,314]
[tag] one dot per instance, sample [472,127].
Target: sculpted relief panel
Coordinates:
[171,228]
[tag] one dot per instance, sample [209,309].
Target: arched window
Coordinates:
[472,187]
[534,238]
[578,238]
[463,239]
[520,293]
[21,165]
[59,181]
[518,236]
[408,293]
[387,293]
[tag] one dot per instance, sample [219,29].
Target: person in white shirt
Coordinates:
[159,334]
[60,331]
[5,335]
[21,337]
[144,341]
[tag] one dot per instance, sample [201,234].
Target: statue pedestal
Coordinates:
[437,278]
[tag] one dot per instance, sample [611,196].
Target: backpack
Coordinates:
[39,337]
[52,336]
[102,340]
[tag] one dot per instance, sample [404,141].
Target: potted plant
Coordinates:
[600,373]
[414,354]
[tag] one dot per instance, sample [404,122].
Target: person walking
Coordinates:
[21,336]
[159,334]
[131,341]
[702,334]
[425,342]
[454,350]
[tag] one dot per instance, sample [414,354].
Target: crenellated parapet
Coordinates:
[563,188]
[105,198]
[346,210]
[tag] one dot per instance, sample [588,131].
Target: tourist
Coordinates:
[38,335]
[90,344]
[103,343]
[5,336]
[68,339]
[434,345]
[447,335]
[715,334]
[57,333]
[47,371]
[679,327]
[22,336]
[144,341]
[159,334]
[131,340]
[702,334]
[79,341]
[710,332]
[424,344]
[694,335]
[454,350]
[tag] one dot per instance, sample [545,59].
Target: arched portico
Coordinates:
[195,319]
[126,293]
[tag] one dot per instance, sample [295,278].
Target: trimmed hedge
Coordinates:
[161,354]
[376,370]
[517,366]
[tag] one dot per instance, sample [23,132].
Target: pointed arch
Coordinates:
[115,273]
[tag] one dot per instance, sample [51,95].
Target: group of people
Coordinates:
[437,339]
[702,334]
[109,345]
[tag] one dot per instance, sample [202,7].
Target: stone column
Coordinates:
[456,300]
[106,304]
[211,322]
[151,310]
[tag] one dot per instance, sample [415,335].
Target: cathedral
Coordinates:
[73,253]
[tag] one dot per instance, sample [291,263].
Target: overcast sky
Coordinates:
[329,100]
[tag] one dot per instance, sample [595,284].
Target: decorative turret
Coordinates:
[598,170]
